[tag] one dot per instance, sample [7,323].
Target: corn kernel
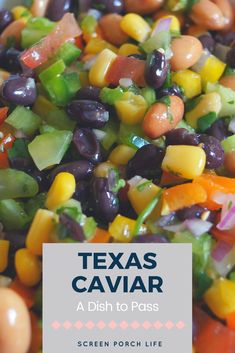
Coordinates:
[122,228]
[102,170]
[212,70]
[135,26]
[28,267]
[220,298]
[121,154]
[20,12]
[61,190]
[174,26]
[141,194]
[210,102]
[100,68]
[128,49]
[185,161]
[131,108]
[40,231]
[190,82]
[96,45]
[4,250]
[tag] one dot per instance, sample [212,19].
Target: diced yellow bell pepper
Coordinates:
[96,45]
[61,190]
[102,170]
[4,250]
[128,49]
[210,102]
[212,70]
[141,194]
[135,26]
[40,231]
[175,23]
[190,82]
[131,108]
[220,298]
[21,12]
[28,267]
[100,68]
[121,154]
[185,161]
[122,228]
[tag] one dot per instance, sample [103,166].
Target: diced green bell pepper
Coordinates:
[73,82]
[111,95]
[206,121]
[68,52]
[52,71]
[88,24]
[48,149]
[160,40]
[16,184]
[111,136]
[132,136]
[12,215]
[149,95]
[25,120]
[228,144]
[58,90]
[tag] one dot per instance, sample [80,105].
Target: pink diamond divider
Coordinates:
[169,325]
[55,325]
[67,325]
[78,325]
[180,325]
[101,325]
[90,325]
[124,325]
[112,325]
[158,325]
[146,325]
[135,325]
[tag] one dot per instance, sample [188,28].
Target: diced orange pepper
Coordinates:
[213,183]
[101,236]
[231,321]
[3,114]
[36,340]
[26,293]
[181,196]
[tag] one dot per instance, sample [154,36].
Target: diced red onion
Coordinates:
[228,219]
[205,55]
[198,227]
[125,82]
[219,197]
[163,25]
[88,64]
[224,266]
[221,250]
[99,134]
[136,180]
[176,227]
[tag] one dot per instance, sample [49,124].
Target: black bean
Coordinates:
[218,129]
[19,90]
[225,38]
[91,93]
[20,163]
[231,57]
[88,113]
[181,137]
[6,18]
[207,42]
[109,6]
[87,145]
[174,90]
[150,238]
[105,202]
[57,8]
[156,69]
[82,194]
[190,212]
[42,179]
[146,162]
[80,169]
[214,151]
[10,60]
[74,228]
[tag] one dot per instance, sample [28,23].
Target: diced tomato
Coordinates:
[127,67]
[4,160]
[38,54]
[212,336]
[225,235]
[5,144]
[3,114]
[79,42]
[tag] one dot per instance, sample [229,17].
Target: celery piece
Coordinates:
[58,90]
[52,71]
[73,82]
[111,95]
[227,96]
[149,95]
[48,149]
[52,115]
[25,120]
[160,40]
[15,184]
[183,125]
[12,215]
[111,134]
[68,52]
[228,144]
[89,227]
[46,128]
[88,24]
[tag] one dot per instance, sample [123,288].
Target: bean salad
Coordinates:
[117,124]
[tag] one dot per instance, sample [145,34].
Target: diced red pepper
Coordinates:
[225,235]
[127,67]
[38,54]
[79,42]
[3,114]
[212,336]
[6,143]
